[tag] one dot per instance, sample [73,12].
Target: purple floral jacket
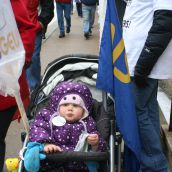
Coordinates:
[65,136]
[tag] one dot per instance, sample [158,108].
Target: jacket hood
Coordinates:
[68,90]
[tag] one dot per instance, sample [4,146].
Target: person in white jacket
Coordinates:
[147,33]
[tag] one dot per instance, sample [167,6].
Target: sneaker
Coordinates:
[67,29]
[62,35]
[86,34]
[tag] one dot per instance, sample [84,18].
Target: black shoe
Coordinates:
[62,35]
[86,35]
[67,29]
[90,32]
[43,36]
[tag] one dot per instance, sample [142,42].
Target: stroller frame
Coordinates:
[114,139]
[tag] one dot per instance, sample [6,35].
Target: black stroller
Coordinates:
[82,68]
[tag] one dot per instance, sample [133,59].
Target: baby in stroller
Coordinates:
[66,125]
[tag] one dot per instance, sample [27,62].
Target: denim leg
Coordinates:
[67,14]
[71,6]
[152,157]
[59,9]
[92,16]
[33,73]
[86,18]
[154,110]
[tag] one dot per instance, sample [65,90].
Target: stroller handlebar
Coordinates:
[78,156]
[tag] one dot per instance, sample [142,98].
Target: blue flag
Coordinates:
[114,78]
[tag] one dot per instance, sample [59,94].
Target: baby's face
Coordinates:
[71,112]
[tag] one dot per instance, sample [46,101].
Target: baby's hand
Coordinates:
[50,148]
[93,140]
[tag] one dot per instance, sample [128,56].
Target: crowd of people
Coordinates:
[32,18]
[85,9]
[147,24]
[41,13]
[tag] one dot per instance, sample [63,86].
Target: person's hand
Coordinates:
[93,140]
[51,148]
[140,81]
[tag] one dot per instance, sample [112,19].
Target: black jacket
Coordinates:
[158,38]
[47,12]
[89,2]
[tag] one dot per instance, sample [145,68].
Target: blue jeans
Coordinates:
[92,17]
[33,73]
[60,7]
[152,157]
[88,13]
[71,9]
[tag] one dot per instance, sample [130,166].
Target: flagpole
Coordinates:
[22,112]
[112,146]
[112,135]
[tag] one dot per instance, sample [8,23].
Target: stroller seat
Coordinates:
[80,68]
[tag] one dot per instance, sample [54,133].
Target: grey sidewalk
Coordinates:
[74,42]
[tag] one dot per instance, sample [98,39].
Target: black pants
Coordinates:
[79,8]
[5,120]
